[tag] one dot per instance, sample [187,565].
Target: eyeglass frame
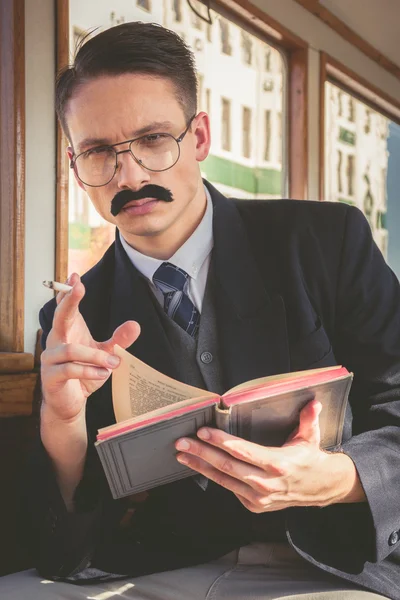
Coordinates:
[178,140]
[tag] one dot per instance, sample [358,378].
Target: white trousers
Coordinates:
[260,571]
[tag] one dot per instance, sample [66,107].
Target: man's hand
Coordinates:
[74,365]
[267,479]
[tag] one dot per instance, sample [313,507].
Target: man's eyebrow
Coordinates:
[156,126]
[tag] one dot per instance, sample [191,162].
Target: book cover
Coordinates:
[153,411]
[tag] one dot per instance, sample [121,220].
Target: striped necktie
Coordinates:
[173,283]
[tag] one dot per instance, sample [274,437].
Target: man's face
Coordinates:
[112,109]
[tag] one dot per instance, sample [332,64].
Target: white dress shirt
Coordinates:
[193,257]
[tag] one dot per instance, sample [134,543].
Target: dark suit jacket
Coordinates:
[299,285]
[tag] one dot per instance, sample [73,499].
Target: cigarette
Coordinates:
[58,287]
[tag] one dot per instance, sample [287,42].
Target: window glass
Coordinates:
[362,154]
[247,120]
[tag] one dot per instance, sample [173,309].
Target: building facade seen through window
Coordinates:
[246,158]
[362,153]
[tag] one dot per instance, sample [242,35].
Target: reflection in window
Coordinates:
[247,48]
[177,10]
[226,47]
[226,124]
[246,118]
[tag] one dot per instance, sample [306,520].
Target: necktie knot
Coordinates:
[173,282]
[169,278]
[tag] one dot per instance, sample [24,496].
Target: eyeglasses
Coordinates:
[155,152]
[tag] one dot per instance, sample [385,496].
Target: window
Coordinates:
[145,4]
[196,21]
[177,10]
[247,48]
[267,143]
[367,126]
[246,120]
[364,149]
[350,175]
[226,124]
[340,103]
[339,171]
[352,109]
[279,137]
[200,82]
[268,60]
[208,101]
[226,47]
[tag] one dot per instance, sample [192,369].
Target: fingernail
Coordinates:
[113,361]
[204,434]
[102,372]
[182,445]
[182,459]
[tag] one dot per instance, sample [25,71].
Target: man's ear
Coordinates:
[201,130]
[70,154]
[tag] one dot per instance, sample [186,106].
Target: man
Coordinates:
[267,287]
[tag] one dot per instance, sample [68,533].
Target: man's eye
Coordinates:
[98,152]
[154,138]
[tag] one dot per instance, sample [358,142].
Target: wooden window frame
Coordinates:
[13,359]
[18,381]
[254,20]
[350,82]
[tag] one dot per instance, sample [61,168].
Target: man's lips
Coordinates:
[140,202]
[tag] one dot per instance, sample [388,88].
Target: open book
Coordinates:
[152,411]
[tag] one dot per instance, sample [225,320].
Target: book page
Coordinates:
[271,379]
[137,388]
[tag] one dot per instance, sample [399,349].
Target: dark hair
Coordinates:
[133,47]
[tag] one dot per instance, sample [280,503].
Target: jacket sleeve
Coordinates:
[367,341]
[62,543]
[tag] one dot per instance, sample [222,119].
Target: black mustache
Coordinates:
[148,191]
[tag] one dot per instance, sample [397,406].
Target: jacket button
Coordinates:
[394,538]
[206,357]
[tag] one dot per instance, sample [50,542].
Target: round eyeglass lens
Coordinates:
[157,152]
[96,167]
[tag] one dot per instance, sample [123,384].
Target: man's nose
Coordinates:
[130,174]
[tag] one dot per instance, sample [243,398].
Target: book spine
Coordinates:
[223,419]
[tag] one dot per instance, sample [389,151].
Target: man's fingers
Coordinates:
[63,373]
[308,429]
[67,353]
[124,336]
[68,309]
[261,456]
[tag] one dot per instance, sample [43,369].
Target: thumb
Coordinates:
[309,430]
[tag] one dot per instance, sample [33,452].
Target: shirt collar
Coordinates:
[189,257]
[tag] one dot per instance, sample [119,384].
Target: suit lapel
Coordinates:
[251,322]
[132,300]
